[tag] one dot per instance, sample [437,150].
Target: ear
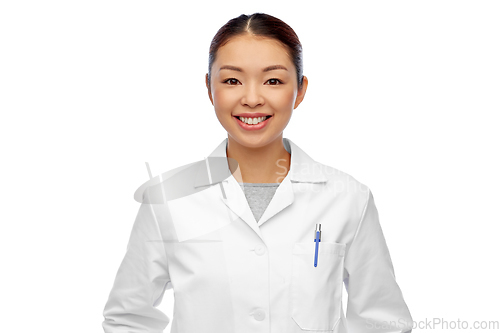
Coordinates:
[301,92]
[208,88]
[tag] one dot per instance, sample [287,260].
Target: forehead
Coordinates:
[249,51]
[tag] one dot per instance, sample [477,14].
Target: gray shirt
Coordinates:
[258,196]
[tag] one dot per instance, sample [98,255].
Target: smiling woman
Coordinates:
[237,246]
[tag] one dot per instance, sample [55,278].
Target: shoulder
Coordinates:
[168,185]
[341,184]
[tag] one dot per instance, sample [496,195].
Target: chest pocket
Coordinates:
[316,292]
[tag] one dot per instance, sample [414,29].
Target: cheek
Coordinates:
[223,105]
[284,100]
[222,99]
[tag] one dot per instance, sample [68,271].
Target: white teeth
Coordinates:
[252,121]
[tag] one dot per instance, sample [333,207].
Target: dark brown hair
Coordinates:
[262,25]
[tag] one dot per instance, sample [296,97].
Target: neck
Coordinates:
[266,164]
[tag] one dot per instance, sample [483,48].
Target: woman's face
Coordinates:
[241,86]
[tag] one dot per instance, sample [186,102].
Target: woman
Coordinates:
[235,240]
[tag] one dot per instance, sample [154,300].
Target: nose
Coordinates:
[252,96]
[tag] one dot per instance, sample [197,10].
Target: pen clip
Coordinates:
[318,228]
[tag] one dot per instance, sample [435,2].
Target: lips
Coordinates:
[255,127]
[252,115]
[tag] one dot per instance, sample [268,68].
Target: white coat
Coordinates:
[230,274]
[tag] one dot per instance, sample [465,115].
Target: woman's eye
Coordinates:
[274,82]
[231,81]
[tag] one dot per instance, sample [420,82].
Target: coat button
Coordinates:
[259,315]
[260,250]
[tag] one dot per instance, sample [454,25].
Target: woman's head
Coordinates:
[255,67]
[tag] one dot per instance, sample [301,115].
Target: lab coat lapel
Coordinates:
[215,172]
[238,203]
[302,169]
[283,197]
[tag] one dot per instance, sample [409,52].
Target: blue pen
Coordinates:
[317,240]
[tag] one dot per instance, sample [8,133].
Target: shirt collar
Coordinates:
[302,167]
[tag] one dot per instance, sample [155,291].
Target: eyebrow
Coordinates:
[266,69]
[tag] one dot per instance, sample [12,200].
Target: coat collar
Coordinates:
[302,167]
[215,170]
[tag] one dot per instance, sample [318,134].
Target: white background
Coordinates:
[402,95]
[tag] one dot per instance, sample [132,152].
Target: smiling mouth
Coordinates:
[266,118]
